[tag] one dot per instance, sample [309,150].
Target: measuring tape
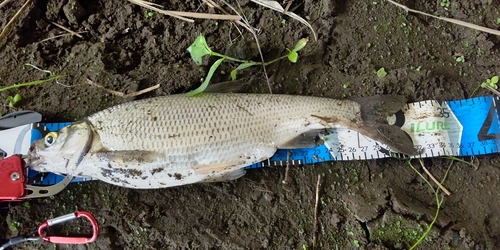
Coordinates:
[467,127]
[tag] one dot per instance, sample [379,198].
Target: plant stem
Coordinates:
[25,84]
[213,53]
[275,60]
[439,202]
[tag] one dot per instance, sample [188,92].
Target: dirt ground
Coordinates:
[380,204]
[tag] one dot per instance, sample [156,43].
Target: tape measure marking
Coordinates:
[467,127]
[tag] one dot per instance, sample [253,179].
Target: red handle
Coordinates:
[69,239]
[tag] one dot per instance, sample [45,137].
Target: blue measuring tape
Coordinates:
[469,127]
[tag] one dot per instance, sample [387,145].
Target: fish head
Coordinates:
[61,151]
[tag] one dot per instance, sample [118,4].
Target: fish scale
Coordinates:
[187,128]
[177,140]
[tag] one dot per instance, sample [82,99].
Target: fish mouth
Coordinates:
[35,161]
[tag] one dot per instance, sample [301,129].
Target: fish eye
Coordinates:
[50,138]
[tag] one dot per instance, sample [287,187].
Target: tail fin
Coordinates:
[374,113]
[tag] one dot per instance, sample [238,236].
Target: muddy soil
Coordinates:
[379,204]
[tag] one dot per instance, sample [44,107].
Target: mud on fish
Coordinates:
[177,140]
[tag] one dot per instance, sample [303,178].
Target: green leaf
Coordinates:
[233,74]
[293,56]
[240,67]
[17,98]
[494,80]
[356,243]
[198,49]
[381,72]
[204,85]
[300,44]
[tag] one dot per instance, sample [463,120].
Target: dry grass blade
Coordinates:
[8,26]
[285,180]
[150,6]
[66,29]
[277,7]
[4,3]
[208,16]
[121,94]
[316,212]
[185,16]
[474,161]
[62,35]
[451,20]
[140,92]
[446,191]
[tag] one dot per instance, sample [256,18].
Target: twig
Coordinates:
[316,212]
[451,20]
[493,90]
[296,7]
[264,191]
[66,29]
[446,191]
[121,94]
[287,167]
[7,27]
[288,6]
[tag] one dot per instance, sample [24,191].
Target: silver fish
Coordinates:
[177,140]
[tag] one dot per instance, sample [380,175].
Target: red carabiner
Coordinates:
[69,239]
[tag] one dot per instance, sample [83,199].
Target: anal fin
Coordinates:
[308,139]
[225,176]
[220,171]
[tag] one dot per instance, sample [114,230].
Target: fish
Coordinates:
[177,140]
